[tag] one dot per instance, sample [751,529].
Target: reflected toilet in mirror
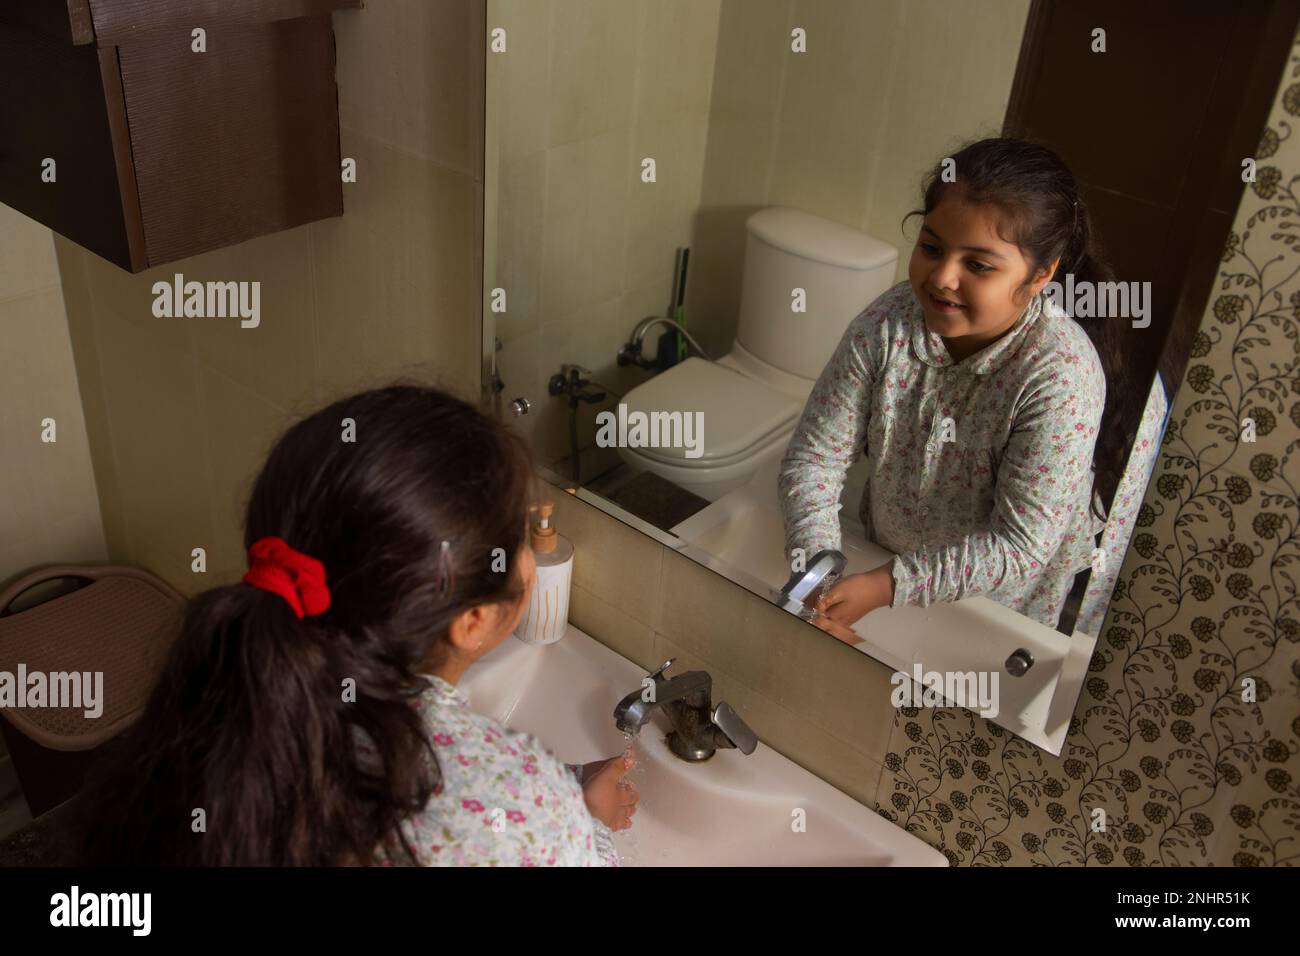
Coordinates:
[895,380]
[804,276]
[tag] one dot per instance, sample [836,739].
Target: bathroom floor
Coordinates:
[13,807]
[42,842]
[646,495]
[24,841]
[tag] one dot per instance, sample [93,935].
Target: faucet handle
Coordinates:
[734,729]
[655,675]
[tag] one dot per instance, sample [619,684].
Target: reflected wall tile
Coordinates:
[660,213]
[566,267]
[521,232]
[823,139]
[410,74]
[520,109]
[607,211]
[753,41]
[739,161]
[676,44]
[592,50]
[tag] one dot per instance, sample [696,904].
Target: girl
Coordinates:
[978,399]
[311,712]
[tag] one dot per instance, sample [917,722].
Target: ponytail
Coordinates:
[247,752]
[273,739]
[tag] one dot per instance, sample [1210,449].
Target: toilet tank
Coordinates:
[840,269]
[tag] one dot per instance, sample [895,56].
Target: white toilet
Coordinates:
[752,397]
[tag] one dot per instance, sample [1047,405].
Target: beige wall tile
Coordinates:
[749,64]
[239,429]
[617,564]
[910,86]
[661,213]
[410,74]
[276,358]
[605,224]
[151,394]
[676,43]
[519,102]
[705,615]
[26,257]
[625,634]
[89,385]
[787,660]
[396,288]
[44,483]
[828,683]
[832,106]
[566,260]
[591,85]
[785,731]
[129,297]
[520,234]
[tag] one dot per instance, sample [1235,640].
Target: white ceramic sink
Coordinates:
[740,535]
[731,810]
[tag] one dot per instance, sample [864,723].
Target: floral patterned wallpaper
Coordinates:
[1188,769]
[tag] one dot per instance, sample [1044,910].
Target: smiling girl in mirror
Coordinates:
[977,400]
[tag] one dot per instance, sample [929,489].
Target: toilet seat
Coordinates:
[741,415]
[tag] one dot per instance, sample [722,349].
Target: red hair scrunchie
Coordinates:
[299,579]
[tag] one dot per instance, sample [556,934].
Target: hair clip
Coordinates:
[445,578]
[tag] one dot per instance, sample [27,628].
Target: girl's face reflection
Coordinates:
[960,257]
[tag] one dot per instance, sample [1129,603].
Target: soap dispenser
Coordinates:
[547,615]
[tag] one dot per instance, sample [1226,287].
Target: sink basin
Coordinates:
[740,536]
[731,810]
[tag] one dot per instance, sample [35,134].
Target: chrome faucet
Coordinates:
[800,594]
[699,728]
[630,353]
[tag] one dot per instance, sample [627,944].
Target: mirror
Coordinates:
[708,310]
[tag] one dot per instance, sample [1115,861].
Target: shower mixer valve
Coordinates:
[569,381]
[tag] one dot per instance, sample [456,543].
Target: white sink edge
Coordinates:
[903,848]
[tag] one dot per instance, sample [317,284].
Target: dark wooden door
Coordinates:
[1156,129]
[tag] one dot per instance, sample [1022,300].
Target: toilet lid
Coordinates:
[739,413]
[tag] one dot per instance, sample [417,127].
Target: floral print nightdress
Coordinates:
[504,799]
[1124,510]
[980,474]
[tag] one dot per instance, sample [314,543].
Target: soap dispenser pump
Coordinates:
[546,618]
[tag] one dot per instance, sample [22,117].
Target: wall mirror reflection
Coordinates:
[874,308]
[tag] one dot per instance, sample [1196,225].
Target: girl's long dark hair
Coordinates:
[1044,214]
[248,721]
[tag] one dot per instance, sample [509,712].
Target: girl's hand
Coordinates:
[610,796]
[837,630]
[853,597]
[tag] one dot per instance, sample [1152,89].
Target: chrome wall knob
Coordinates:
[1019,662]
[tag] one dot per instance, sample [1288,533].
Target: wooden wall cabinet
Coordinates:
[161,152]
